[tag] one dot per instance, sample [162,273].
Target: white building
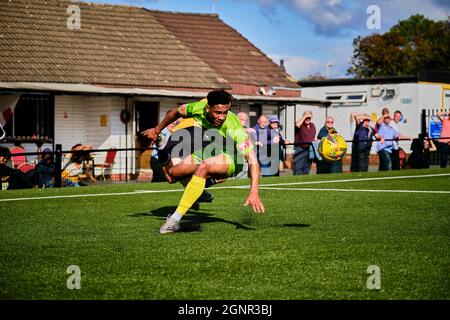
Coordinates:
[409,94]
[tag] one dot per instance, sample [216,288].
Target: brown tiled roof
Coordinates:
[117,45]
[224,49]
[127,46]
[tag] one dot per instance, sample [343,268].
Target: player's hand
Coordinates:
[254,201]
[151,134]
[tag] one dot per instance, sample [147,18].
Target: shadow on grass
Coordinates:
[192,221]
[296,225]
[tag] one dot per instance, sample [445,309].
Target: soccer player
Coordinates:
[211,114]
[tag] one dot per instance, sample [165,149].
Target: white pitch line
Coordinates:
[92,195]
[354,180]
[356,190]
[228,187]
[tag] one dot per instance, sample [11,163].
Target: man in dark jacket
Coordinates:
[362,143]
[45,169]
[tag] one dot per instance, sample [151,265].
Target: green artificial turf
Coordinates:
[310,244]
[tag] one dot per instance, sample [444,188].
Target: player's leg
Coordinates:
[220,166]
[182,171]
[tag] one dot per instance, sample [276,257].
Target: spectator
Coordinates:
[362,143]
[260,131]
[322,165]
[355,119]
[305,133]
[275,144]
[260,138]
[387,130]
[421,153]
[74,171]
[45,169]
[243,118]
[11,178]
[398,117]
[444,141]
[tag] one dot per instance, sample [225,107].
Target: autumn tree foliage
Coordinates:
[412,45]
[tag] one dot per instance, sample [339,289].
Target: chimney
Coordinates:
[282,65]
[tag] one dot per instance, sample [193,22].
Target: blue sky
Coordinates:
[307,34]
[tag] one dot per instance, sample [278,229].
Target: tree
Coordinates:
[409,46]
[315,76]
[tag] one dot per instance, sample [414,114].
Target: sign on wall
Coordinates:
[434,127]
[103,120]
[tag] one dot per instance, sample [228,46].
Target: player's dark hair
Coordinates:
[219,97]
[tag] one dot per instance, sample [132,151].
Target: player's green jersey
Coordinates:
[231,127]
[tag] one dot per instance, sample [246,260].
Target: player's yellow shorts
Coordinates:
[234,158]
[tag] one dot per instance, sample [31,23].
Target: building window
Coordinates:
[347,98]
[355,97]
[33,117]
[334,98]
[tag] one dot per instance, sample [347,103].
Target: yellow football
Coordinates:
[332,148]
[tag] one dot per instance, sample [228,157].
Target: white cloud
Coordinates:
[299,67]
[339,17]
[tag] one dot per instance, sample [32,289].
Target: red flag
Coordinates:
[7,105]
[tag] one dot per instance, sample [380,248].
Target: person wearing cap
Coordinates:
[322,165]
[362,143]
[45,169]
[355,119]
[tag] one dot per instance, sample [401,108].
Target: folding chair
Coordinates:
[107,165]
[26,167]
[17,160]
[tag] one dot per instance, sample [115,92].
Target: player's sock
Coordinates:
[192,192]
[176,216]
[209,182]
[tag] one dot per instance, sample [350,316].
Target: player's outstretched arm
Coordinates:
[153,133]
[253,197]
